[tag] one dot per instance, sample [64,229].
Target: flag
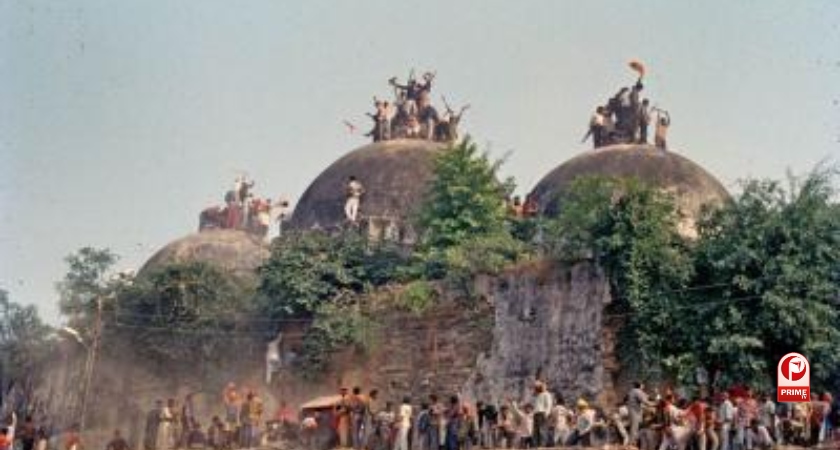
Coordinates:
[350,127]
[637,66]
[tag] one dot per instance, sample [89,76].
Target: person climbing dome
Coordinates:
[663,122]
[355,190]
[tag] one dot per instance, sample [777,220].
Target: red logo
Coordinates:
[793,368]
[793,378]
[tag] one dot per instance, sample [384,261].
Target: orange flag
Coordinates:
[637,66]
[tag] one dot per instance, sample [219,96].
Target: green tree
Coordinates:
[466,198]
[464,219]
[335,325]
[323,278]
[771,261]
[630,229]
[186,314]
[308,269]
[24,342]
[86,281]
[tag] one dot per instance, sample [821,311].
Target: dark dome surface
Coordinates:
[230,250]
[691,185]
[395,175]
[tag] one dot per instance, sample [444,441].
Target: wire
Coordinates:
[677,308]
[176,330]
[251,318]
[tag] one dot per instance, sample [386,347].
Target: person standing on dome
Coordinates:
[663,122]
[644,121]
[355,190]
[382,122]
[427,115]
[597,128]
[635,111]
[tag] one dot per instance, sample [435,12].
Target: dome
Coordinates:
[395,175]
[230,250]
[692,186]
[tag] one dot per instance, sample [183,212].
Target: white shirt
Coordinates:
[727,411]
[354,189]
[542,404]
[405,416]
[561,417]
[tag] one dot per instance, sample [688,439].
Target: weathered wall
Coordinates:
[418,354]
[538,319]
[548,322]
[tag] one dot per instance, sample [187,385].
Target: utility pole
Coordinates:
[90,363]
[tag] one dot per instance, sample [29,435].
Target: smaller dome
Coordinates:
[230,250]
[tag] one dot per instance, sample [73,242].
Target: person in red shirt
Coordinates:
[73,441]
[695,415]
[5,441]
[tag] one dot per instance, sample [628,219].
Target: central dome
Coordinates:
[395,174]
[691,185]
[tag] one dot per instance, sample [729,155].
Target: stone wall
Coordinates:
[419,354]
[548,323]
[538,319]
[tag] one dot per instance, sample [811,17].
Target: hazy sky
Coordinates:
[120,121]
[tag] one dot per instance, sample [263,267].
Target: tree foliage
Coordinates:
[761,279]
[464,219]
[771,261]
[466,198]
[86,281]
[184,314]
[308,269]
[24,341]
[336,325]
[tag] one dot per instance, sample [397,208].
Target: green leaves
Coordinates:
[466,198]
[464,220]
[184,314]
[86,279]
[317,276]
[781,247]
[24,340]
[335,325]
[309,269]
[761,280]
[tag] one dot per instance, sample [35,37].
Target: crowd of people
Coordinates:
[735,420]
[517,208]
[242,423]
[626,118]
[243,210]
[411,115]
[35,434]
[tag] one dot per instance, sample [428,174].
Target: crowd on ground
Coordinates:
[739,419]
[242,423]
